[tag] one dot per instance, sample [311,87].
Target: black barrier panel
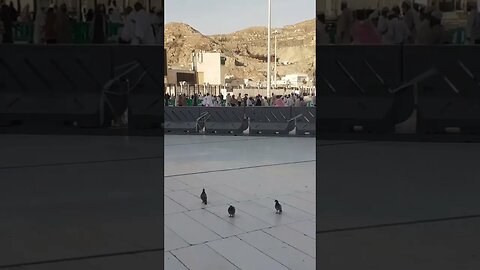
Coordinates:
[181,119]
[270,120]
[52,84]
[450,96]
[305,118]
[225,119]
[355,85]
[143,67]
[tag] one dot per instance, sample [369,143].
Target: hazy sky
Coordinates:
[226,16]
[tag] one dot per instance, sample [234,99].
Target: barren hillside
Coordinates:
[246,50]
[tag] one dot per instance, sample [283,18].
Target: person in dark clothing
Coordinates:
[167,98]
[90,15]
[258,102]
[6,17]
[195,100]
[50,27]
[99,25]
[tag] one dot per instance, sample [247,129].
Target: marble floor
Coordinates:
[248,173]
[81,202]
[398,205]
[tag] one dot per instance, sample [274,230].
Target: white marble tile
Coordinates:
[213,198]
[170,206]
[174,184]
[279,251]
[172,263]
[188,229]
[303,205]
[267,215]
[202,257]
[243,255]
[186,199]
[214,223]
[172,240]
[307,227]
[242,220]
[230,192]
[294,239]
[287,210]
[307,196]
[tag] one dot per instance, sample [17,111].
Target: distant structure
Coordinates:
[209,67]
[295,80]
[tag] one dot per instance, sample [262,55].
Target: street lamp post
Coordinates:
[275,61]
[269,41]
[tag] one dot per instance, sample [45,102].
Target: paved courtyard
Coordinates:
[398,205]
[248,173]
[80,202]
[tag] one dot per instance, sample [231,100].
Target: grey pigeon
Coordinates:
[278,207]
[203,196]
[231,211]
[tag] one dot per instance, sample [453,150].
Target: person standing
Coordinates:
[321,28]
[99,25]
[6,17]
[438,31]
[143,33]
[473,26]
[397,30]
[409,18]
[424,31]
[128,29]
[64,26]
[50,27]
[344,25]
[363,31]
[39,26]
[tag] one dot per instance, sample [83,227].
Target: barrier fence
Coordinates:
[82,86]
[381,88]
[240,120]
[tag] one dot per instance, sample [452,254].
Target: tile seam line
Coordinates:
[398,224]
[74,163]
[291,245]
[209,247]
[226,141]
[262,252]
[241,168]
[80,258]
[186,267]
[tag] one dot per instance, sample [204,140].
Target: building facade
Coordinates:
[210,68]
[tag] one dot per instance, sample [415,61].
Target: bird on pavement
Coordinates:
[231,211]
[203,196]
[278,207]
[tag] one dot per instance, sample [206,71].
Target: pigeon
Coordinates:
[231,211]
[203,196]
[278,207]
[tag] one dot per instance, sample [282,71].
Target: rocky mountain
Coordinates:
[246,50]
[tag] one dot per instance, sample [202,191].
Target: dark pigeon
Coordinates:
[231,211]
[203,196]
[278,207]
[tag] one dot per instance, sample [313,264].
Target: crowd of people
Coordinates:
[55,24]
[407,24]
[288,100]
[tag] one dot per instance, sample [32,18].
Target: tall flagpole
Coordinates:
[269,41]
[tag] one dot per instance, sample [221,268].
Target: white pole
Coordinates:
[269,41]
[275,75]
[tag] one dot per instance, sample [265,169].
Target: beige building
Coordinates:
[175,76]
[210,68]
